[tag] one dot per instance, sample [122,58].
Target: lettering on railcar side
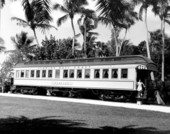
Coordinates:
[61,83]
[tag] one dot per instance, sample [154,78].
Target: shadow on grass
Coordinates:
[51,125]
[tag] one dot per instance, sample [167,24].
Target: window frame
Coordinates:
[37,73]
[71,71]
[50,73]
[32,71]
[57,75]
[104,74]
[96,74]
[81,71]
[122,75]
[65,72]
[44,76]
[27,73]
[17,73]
[85,73]
[22,74]
[112,76]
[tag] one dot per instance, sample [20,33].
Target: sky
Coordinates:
[136,33]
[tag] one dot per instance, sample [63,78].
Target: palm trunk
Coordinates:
[163,49]
[35,35]
[116,44]
[120,47]
[74,33]
[85,53]
[147,41]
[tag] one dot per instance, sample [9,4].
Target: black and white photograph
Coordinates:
[84,66]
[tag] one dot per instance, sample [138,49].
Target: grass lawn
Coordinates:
[30,116]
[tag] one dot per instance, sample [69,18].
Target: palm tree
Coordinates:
[24,45]
[162,9]
[118,14]
[70,8]
[144,8]
[37,13]
[87,22]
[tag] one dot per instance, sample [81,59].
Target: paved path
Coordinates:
[157,108]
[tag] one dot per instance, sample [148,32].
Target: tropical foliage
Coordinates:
[87,23]
[70,8]
[23,46]
[118,14]
[55,49]
[37,15]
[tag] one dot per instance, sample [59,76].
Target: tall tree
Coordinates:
[118,14]
[162,9]
[87,22]
[23,46]
[70,8]
[144,9]
[37,14]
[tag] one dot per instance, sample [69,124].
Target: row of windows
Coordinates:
[71,73]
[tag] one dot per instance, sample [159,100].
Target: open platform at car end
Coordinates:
[157,108]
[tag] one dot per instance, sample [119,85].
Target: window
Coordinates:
[65,74]
[79,73]
[105,73]
[71,75]
[124,73]
[43,73]
[97,73]
[32,73]
[38,73]
[17,73]
[87,73]
[27,74]
[57,73]
[50,73]
[114,73]
[22,73]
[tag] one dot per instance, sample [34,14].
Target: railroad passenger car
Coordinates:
[103,76]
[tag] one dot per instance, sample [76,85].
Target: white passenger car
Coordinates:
[103,74]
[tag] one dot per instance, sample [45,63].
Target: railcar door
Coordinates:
[144,75]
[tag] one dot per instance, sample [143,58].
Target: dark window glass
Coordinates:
[22,73]
[124,73]
[105,73]
[97,73]
[32,73]
[50,73]
[38,73]
[43,73]
[114,73]
[79,73]
[65,74]
[71,73]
